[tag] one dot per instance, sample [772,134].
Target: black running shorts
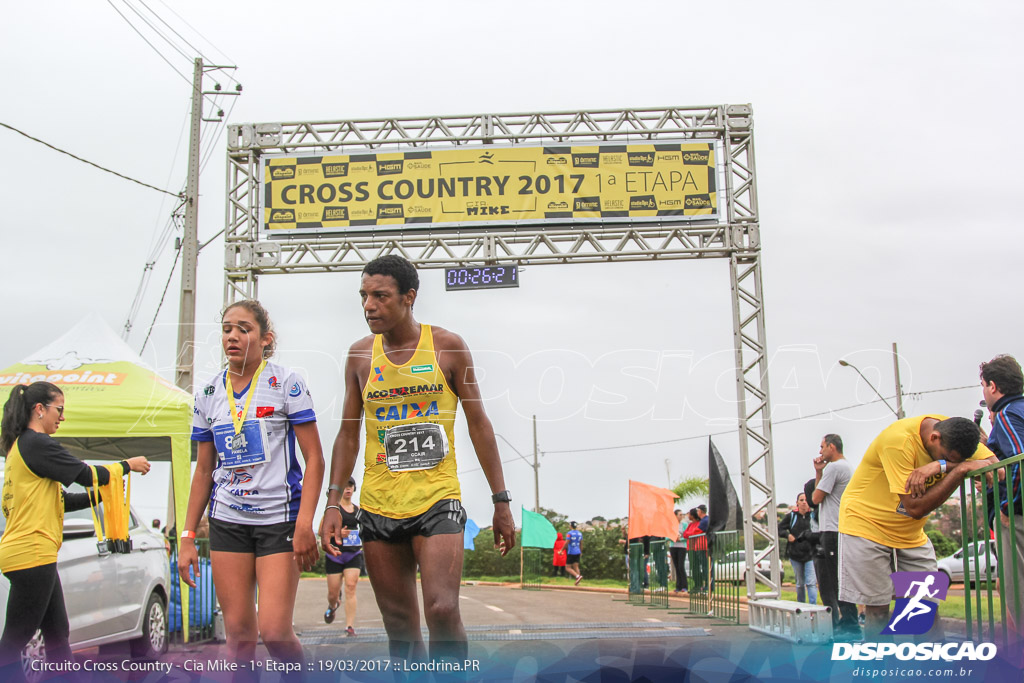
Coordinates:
[444,517]
[258,539]
[353,562]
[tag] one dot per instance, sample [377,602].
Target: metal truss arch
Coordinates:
[736,236]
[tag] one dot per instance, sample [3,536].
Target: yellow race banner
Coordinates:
[490,185]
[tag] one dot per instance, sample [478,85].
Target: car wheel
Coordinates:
[35,651]
[153,641]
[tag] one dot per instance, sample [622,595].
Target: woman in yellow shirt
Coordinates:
[34,503]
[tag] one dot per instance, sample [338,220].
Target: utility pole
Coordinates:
[185,354]
[536,470]
[183,372]
[899,388]
[190,242]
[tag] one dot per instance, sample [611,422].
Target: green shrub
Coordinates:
[944,547]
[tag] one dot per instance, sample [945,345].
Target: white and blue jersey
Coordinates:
[573,540]
[258,475]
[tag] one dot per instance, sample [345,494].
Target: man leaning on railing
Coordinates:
[907,472]
[1002,384]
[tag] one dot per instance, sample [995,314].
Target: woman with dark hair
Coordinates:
[348,564]
[678,553]
[698,550]
[34,502]
[246,423]
[797,526]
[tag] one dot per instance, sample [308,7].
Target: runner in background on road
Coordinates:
[347,564]
[573,551]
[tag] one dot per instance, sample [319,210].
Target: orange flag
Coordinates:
[651,511]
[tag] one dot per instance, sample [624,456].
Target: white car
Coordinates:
[978,562]
[110,598]
[733,568]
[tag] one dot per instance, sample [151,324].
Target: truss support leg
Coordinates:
[754,413]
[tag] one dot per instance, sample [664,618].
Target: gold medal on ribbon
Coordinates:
[238,419]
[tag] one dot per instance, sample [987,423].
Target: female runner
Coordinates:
[348,564]
[246,422]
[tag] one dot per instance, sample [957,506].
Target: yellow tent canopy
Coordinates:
[117,407]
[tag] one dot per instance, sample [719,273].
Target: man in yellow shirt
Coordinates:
[909,470]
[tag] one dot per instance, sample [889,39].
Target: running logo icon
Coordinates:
[915,612]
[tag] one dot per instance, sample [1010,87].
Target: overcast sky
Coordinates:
[888,182]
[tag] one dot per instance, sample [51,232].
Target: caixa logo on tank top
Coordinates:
[406,411]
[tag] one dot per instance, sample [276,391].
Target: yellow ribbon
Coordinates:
[239,418]
[94,502]
[116,504]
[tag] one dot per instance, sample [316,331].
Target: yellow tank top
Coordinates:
[34,508]
[408,468]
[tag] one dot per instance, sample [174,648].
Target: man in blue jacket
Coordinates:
[1002,384]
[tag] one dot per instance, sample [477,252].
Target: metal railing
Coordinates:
[659,574]
[716,575]
[533,569]
[202,600]
[637,574]
[982,493]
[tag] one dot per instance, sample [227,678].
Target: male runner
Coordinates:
[408,378]
[573,551]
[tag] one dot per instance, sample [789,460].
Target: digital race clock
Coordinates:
[481,277]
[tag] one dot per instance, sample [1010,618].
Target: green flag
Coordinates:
[537,531]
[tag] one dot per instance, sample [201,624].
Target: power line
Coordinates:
[165,235]
[170,276]
[86,161]
[169,9]
[155,49]
[183,38]
[219,128]
[155,30]
[147,272]
[157,245]
[160,54]
[915,395]
[503,462]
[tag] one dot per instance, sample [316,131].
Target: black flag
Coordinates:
[723,504]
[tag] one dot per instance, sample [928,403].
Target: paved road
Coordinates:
[520,635]
[510,630]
